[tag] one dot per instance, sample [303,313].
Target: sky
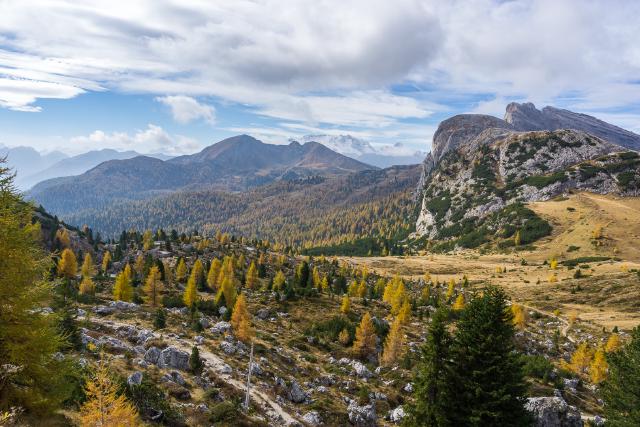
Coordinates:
[161,76]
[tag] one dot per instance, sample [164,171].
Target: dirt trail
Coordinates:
[216,362]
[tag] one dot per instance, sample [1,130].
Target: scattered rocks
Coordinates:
[396,415]
[227,347]
[295,393]
[362,416]
[152,355]
[135,378]
[173,376]
[204,322]
[123,305]
[199,339]
[312,418]
[221,327]
[171,357]
[571,384]
[103,310]
[553,412]
[361,370]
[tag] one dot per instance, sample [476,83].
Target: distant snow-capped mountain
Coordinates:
[361,150]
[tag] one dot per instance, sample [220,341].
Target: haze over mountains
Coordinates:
[234,164]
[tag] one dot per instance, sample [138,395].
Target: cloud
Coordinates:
[153,139]
[185,109]
[19,94]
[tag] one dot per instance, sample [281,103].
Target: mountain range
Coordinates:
[234,164]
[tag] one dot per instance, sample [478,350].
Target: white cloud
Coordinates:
[185,109]
[153,139]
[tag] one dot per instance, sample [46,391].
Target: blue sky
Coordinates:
[173,77]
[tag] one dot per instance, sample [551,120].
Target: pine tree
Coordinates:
[190,296]
[88,270]
[160,319]
[123,289]
[598,367]
[345,307]
[181,270]
[621,390]
[67,265]
[393,345]
[214,272]
[87,286]
[365,343]
[432,386]
[104,407]
[153,287]
[251,279]
[106,262]
[278,281]
[30,377]
[195,362]
[486,372]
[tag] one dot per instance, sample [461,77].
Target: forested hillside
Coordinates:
[371,208]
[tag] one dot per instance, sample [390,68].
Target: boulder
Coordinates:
[220,328]
[263,314]
[408,388]
[103,310]
[227,347]
[312,418]
[171,357]
[396,415]
[135,378]
[112,343]
[362,416]
[553,412]
[152,355]
[173,376]
[295,393]
[361,370]
[123,305]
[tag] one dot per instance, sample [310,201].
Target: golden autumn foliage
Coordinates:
[228,290]
[365,341]
[344,338]
[613,343]
[88,269]
[241,320]
[198,271]
[123,290]
[104,407]
[153,287]
[214,272]
[181,270]
[67,265]
[451,288]
[138,266]
[519,316]
[87,287]
[345,307]
[147,240]
[190,296]
[394,343]
[106,260]
[362,289]
[553,264]
[459,303]
[62,236]
[581,359]
[598,368]
[404,314]
[251,279]
[278,281]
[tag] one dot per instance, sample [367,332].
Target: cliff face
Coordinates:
[480,164]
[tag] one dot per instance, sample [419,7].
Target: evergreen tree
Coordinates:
[486,373]
[104,407]
[160,319]
[365,343]
[432,381]
[195,362]
[621,390]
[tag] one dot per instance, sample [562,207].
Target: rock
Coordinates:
[222,310]
[553,412]
[263,314]
[361,370]
[295,393]
[112,343]
[221,328]
[86,339]
[362,416]
[57,356]
[103,310]
[225,369]
[598,421]
[571,384]
[171,357]
[256,369]
[228,347]
[135,378]
[202,408]
[123,305]
[152,355]
[408,388]
[396,415]
[173,376]
[199,339]
[312,418]
[204,322]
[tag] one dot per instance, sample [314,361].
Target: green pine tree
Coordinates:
[621,390]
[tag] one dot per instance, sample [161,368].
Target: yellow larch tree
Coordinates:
[581,359]
[181,270]
[62,236]
[404,314]
[67,265]
[451,288]
[278,281]
[519,316]
[214,272]
[106,261]
[393,345]
[123,290]
[147,240]
[315,277]
[251,279]
[458,303]
[241,320]
[153,287]
[198,271]
[138,266]
[365,341]
[362,289]
[553,263]
[344,337]
[103,406]
[86,286]
[324,285]
[399,298]
[88,269]
[190,296]
[345,306]
[228,290]
[599,366]
[168,273]
[613,343]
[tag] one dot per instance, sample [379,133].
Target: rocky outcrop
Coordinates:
[553,412]
[362,415]
[526,117]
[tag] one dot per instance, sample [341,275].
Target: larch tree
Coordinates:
[324,285]
[345,306]
[278,281]
[364,344]
[168,274]
[519,316]
[31,378]
[621,390]
[613,343]
[181,270]
[88,269]
[251,278]
[87,287]
[63,238]
[228,290]
[104,407]
[198,272]
[317,281]
[240,319]
[404,314]
[458,305]
[106,262]
[399,298]
[214,272]
[581,359]
[599,366]
[123,289]
[147,240]
[362,289]
[451,289]
[190,296]
[394,344]
[138,266]
[68,265]
[153,287]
